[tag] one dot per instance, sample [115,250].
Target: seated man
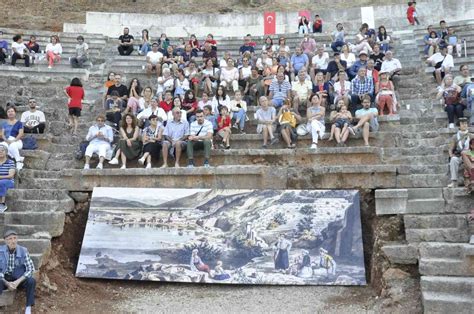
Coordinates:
[125,47]
[82,53]
[7,174]
[34,49]
[17,268]
[154,58]
[301,89]
[367,120]
[33,120]
[3,49]
[19,51]
[175,135]
[209,53]
[467,98]
[393,67]
[116,100]
[465,76]
[361,63]
[200,137]
[335,66]
[266,117]
[320,61]
[298,61]
[247,46]
[442,62]
[280,90]
[459,145]
[100,136]
[361,86]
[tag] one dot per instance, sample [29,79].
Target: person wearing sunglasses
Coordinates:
[100,136]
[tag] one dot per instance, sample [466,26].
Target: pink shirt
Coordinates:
[308,46]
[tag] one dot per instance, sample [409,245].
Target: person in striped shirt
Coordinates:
[7,173]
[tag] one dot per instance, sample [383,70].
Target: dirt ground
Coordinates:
[58,291]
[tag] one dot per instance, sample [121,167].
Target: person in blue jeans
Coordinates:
[338,37]
[17,268]
[7,173]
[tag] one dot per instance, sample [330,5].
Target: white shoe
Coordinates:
[452,184]
[86,167]
[123,167]
[314,146]
[50,67]
[100,166]
[451,126]
[114,161]
[19,165]
[148,165]
[141,161]
[164,166]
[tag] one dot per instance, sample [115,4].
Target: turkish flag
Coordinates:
[269,27]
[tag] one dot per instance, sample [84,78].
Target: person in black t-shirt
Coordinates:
[125,47]
[120,88]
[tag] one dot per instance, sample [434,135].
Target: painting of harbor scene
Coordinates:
[268,237]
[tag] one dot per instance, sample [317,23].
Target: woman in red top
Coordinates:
[223,127]
[194,43]
[190,104]
[210,40]
[75,95]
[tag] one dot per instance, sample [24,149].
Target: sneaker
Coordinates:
[123,167]
[206,164]
[451,126]
[452,184]
[191,164]
[50,67]
[227,147]
[100,166]
[235,126]
[141,161]
[274,141]
[242,132]
[264,146]
[86,167]
[114,161]
[148,165]
[314,146]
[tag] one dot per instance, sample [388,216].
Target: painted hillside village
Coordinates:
[290,237]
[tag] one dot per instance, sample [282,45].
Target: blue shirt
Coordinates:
[5,168]
[176,130]
[11,130]
[356,66]
[280,91]
[299,61]
[245,48]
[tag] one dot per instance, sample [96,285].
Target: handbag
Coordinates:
[29,143]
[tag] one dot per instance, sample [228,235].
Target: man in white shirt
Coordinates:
[393,67]
[19,51]
[100,136]
[319,62]
[442,62]
[33,120]
[154,58]
[301,90]
[200,136]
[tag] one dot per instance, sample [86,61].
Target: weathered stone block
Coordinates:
[399,253]
[391,201]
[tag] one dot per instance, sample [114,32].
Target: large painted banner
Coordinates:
[274,237]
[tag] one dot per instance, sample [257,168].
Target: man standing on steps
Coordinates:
[200,136]
[16,269]
[459,145]
[125,47]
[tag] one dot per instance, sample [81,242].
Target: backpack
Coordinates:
[81,151]
[29,143]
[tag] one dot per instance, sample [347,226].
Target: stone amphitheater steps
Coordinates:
[444,259]
[436,228]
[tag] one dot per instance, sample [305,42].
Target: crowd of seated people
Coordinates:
[289,87]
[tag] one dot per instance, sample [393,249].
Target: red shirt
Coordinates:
[188,105]
[211,41]
[224,124]
[196,44]
[166,106]
[77,95]
[410,11]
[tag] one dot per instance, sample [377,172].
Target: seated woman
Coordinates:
[220,99]
[315,114]
[454,44]
[340,118]
[145,45]
[151,138]
[7,175]
[263,61]
[268,45]
[385,94]
[321,87]
[165,83]
[433,46]
[53,51]
[129,146]
[209,78]
[304,266]
[219,273]
[383,39]
[342,89]
[238,109]
[338,38]
[347,56]
[194,43]
[288,120]
[181,84]
[191,72]
[134,96]
[223,127]
[11,133]
[177,102]
[190,104]
[253,87]
[468,159]
[196,263]
[230,76]
[362,42]
[449,93]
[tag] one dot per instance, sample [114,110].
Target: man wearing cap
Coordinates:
[16,268]
[458,146]
[393,67]
[361,63]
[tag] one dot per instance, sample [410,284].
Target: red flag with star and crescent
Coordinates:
[269,23]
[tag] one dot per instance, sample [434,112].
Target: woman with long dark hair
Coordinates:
[383,39]
[129,145]
[145,45]
[75,94]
